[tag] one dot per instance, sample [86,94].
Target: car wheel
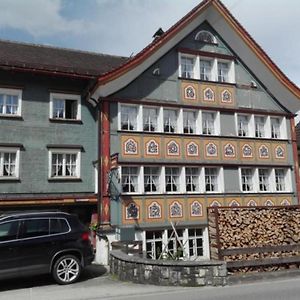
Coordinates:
[66,269]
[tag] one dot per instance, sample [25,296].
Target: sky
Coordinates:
[124,27]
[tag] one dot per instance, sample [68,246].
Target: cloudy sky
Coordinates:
[123,27]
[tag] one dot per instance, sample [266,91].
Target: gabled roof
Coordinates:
[232,32]
[59,60]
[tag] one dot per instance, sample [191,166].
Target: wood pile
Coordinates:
[255,239]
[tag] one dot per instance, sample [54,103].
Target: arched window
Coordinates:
[206,37]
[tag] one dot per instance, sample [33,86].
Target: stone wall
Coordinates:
[167,272]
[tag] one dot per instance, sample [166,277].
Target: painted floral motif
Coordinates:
[269,203]
[215,203]
[285,202]
[172,148]
[189,93]
[154,211]
[251,203]
[152,148]
[209,95]
[175,210]
[247,151]
[263,151]
[196,209]
[211,149]
[226,97]
[229,150]
[279,152]
[132,211]
[234,203]
[131,147]
[192,149]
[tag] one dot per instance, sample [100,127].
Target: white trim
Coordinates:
[12,92]
[15,150]
[62,96]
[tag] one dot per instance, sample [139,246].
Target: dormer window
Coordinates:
[205,37]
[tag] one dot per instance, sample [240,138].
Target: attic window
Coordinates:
[205,37]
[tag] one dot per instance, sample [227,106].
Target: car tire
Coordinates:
[66,269]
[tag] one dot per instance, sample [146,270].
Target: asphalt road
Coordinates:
[96,285]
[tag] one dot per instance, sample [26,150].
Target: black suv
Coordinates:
[34,243]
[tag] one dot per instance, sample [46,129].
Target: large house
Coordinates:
[48,136]
[200,117]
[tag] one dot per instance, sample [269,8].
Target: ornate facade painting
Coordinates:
[279,152]
[211,150]
[154,211]
[192,149]
[285,202]
[229,150]
[247,151]
[226,97]
[131,147]
[251,203]
[152,148]
[234,203]
[215,203]
[173,148]
[132,211]
[196,209]
[190,93]
[263,151]
[209,95]
[176,210]
[269,203]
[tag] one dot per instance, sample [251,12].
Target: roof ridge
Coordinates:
[61,48]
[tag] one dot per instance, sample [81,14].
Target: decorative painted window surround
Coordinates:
[65,107]
[260,180]
[10,102]
[64,163]
[9,163]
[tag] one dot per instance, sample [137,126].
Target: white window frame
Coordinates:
[140,179]
[12,92]
[220,180]
[64,151]
[252,179]
[139,117]
[198,179]
[159,175]
[196,126]
[264,135]
[14,150]
[216,122]
[195,65]
[177,123]
[209,33]
[180,186]
[157,118]
[282,127]
[269,180]
[211,76]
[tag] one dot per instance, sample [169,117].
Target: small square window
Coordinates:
[65,107]
[130,179]
[10,102]
[9,163]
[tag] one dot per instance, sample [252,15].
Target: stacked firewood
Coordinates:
[253,234]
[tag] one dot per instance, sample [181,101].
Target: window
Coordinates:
[263,180]
[275,128]
[247,180]
[35,228]
[10,102]
[280,180]
[151,179]
[9,231]
[172,179]
[130,179]
[195,242]
[64,163]
[211,180]
[187,67]
[189,122]
[208,123]
[259,126]
[65,106]
[170,120]
[154,244]
[59,226]
[192,176]
[223,72]
[175,243]
[205,37]
[9,163]
[150,119]
[205,69]
[128,117]
[243,125]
